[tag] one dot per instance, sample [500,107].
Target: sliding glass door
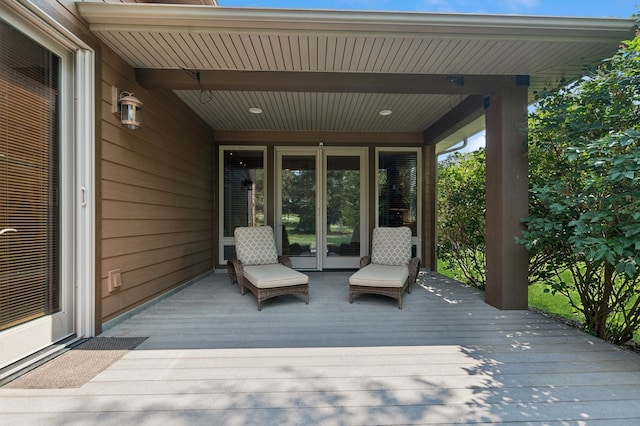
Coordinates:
[36,285]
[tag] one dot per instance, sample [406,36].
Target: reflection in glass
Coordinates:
[243,189]
[30,286]
[398,189]
[299,205]
[343,206]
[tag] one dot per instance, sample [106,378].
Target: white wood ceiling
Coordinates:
[348,53]
[302,111]
[215,38]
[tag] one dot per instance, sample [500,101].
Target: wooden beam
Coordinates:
[462,114]
[176,79]
[328,138]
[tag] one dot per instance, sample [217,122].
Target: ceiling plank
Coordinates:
[175,79]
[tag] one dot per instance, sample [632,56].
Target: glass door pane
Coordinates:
[298,215]
[35,292]
[343,218]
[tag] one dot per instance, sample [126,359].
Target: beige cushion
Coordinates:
[275,275]
[391,246]
[255,245]
[374,275]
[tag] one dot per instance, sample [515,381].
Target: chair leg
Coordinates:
[241,285]
[232,272]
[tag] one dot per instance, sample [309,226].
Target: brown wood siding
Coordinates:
[157,194]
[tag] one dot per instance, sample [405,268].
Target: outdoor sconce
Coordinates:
[130,110]
[129,107]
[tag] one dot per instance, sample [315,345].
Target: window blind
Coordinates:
[29,179]
[398,189]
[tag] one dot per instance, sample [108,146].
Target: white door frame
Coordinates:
[321,260]
[306,263]
[77,182]
[348,262]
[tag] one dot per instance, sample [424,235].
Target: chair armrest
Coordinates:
[364,261]
[286,261]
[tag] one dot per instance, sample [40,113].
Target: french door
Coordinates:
[321,216]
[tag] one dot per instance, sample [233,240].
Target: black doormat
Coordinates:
[77,366]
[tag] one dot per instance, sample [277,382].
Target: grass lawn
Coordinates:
[337,235]
[556,304]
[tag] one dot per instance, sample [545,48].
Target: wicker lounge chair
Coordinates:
[259,269]
[390,270]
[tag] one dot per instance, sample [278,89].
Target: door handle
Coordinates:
[2,231]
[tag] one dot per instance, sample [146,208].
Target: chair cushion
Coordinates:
[276,275]
[255,245]
[375,275]
[391,246]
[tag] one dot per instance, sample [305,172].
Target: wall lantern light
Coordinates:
[130,110]
[129,107]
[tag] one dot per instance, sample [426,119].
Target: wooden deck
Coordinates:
[445,358]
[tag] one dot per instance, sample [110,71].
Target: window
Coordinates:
[243,193]
[398,189]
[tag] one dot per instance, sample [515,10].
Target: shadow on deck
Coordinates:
[447,357]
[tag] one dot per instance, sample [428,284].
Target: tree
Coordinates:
[302,201]
[343,198]
[585,193]
[461,215]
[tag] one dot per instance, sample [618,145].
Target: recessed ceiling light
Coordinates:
[385,112]
[255,110]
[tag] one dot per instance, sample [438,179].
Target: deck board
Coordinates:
[446,358]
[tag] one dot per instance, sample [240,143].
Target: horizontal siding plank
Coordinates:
[127,210]
[123,192]
[123,174]
[157,167]
[112,247]
[115,228]
[162,148]
[156,256]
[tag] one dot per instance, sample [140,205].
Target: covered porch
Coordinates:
[272,80]
[448,357]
